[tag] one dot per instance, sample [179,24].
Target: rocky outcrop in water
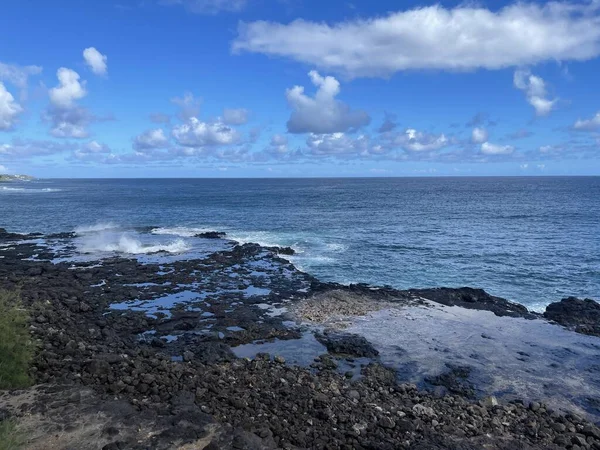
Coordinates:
[582,316]
[471,298]
[211,235]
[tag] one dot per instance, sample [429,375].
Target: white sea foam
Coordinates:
[336,247]
[100,226]
[126,243]
[180,231]
[18,189]
[263,238]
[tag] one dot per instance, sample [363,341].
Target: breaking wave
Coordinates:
[131,245]
[18,189]
[181,231]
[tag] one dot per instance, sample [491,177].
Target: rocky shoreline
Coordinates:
[143,355]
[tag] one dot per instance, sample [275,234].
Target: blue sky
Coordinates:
[278,88]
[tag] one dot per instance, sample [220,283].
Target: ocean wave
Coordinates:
[336,247]
[131,245]
[264,239]
[180,231]
[18,189]
[101,226]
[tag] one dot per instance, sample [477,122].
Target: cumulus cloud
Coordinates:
[465,37]
[209,6]
[3,169]
[488,148]
[95,60]
[68,90]
[592,124]
[9,109]
[189,106]
[92,151]
[68,120]
[336,144]
[534,88]
[151,139]
[322,113]
[417,141]
[479,135]
[195,133]
[278,145]
[238,116]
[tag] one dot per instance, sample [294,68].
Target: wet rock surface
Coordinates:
[474,299]
[582,316]
[150,346]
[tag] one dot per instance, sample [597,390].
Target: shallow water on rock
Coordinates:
[510,357]
[300,352]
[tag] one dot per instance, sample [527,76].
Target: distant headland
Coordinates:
[4,178]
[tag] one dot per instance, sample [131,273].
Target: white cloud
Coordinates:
[417,141]
[18,76]
[68,90]
[592,124]
[27,148]
[322,113]
[278,145]
[479,135]
[209,6]
[336,144]
[195,133]
[3,169]
[494,149]
[69,130]
[151,139]
[68,119]
[92,151]
[9,109]
[237,116]
[189,106]
[466,37]
[534,88]
[69,122]
[95,60]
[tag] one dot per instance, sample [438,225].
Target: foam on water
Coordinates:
[181,231]
[26,190]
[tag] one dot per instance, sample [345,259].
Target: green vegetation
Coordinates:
[10,438]
[16,348]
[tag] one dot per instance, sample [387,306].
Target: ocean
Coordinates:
[533,240]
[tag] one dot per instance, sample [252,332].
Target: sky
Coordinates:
[299,88]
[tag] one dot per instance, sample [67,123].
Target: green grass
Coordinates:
[10,438]
[16,348]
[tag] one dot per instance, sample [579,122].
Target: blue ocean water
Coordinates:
[532,240]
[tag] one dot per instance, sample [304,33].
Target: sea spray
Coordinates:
[109,241]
